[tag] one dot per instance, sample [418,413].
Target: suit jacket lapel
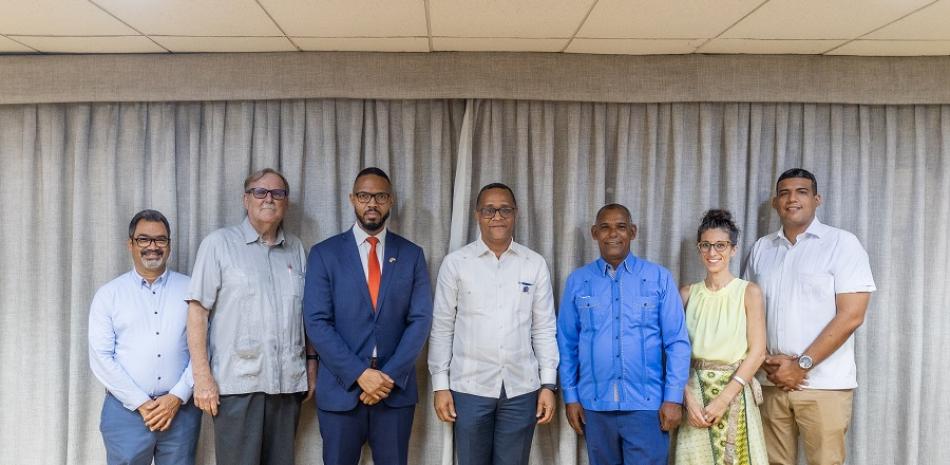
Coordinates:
[390,262]
[354,266]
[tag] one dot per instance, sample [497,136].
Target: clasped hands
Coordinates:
[376,386]
[158,413]
[783,371]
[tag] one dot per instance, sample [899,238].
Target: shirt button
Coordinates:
[159,355]
[156,333]
[159,377]
[156,313]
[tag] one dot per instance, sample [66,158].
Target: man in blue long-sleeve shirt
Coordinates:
[624,349]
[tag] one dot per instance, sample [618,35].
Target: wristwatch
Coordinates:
[805,362]
[550,387]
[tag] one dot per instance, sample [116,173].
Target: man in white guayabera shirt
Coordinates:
[492,352]
[817,283]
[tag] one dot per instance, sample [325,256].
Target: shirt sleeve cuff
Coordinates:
[673,395]
[182,391]
[548,375]
[440,381]
[132,403]
[570,395]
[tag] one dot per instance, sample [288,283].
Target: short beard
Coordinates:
[372,226]
[153,263]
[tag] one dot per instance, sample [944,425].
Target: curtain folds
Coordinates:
[74,174]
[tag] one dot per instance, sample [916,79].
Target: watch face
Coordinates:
[805,362]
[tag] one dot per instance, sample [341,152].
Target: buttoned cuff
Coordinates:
[569,394]
[440,381]
[134,403]
[673,395]
[548,375]
[182,391]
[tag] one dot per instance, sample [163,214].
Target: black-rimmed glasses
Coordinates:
[720,246]
[489,212]
[145,241]
[261,193]
[365,197]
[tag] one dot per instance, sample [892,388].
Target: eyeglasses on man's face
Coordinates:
[365,197]
[261,193]
[145,241]
[720,246]
[489,212]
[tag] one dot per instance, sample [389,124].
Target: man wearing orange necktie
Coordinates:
[367,309]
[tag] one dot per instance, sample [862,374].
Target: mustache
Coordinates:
[160,252]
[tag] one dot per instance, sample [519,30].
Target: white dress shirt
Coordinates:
[493,323]
[364,247]
[137,343]
[800,282]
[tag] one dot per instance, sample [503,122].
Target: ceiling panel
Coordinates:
[112,44]
[194,17]
[11,46]
[930,23]
[766,47]
[667,19]
[57,17]
[820,19]
[226,44]
[894,48]
[505,18]
[634,46]
[349,18]
[482,44]
[363,44]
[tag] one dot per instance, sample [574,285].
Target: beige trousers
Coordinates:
[819,417]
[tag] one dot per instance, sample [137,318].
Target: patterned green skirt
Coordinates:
[737,439]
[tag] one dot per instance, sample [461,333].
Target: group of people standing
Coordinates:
[752,364]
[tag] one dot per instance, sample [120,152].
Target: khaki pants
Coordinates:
[820,417]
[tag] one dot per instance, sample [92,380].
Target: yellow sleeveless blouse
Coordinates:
[716,322]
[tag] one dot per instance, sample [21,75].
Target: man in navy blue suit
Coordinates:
[367,309]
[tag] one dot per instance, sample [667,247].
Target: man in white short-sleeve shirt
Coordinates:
[817,283]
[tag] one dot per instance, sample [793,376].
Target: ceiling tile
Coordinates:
[363,44]
[110,44]
[894,48]
[766,47]
[349,18]
[57,17]
[11,46]
[680,19]
[930,23]
[492,44]
[194,17]
[820,19]
[505,18]
[225,44]
[634,46]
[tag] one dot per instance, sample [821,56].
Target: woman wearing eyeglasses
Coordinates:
[726,324]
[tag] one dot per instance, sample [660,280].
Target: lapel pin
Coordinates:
[392,259]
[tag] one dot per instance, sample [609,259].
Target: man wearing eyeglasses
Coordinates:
[817,284]
[245,329]
[625,351]
[368,310]
[137,349]
[492,352]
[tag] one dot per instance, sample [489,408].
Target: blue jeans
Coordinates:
[129,442]
[625,438]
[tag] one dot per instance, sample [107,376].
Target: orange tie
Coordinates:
[374,273]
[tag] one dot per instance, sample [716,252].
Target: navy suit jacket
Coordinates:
[343,327]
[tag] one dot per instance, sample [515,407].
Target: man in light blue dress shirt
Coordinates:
[138,350]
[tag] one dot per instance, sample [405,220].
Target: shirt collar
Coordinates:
[361,235]
[141,281]
[815,229]
[481,248]
[250,234]
[625,265]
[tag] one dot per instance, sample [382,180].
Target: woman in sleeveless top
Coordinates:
[726,324]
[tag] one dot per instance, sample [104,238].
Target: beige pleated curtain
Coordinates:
[74,173]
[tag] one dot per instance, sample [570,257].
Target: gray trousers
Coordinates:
[491,431]
[256,429]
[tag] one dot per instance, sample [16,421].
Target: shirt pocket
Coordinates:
[648,311]
[592,313]
[237,280]
[817,286]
